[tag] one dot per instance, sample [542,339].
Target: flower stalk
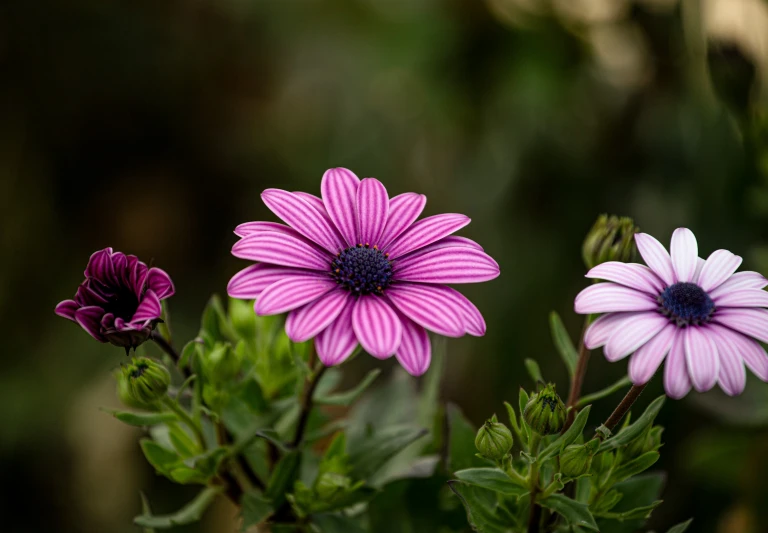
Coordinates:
[624,406]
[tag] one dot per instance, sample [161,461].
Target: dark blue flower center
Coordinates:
[686,303]
[362,270]
[123,304]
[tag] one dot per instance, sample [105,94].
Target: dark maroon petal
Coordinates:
[90,294]
[149,308]
[120,265]
[108,321]
[89,319]
[138,276]
[67,309]
[100,266]
[160,282]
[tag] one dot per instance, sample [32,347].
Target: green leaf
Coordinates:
[633,467]
[533,370]
[182,441]
[282,479]
[633,430]
[348,397]
[248,437]
[599,395]
[568,437]
[142,419]
[522,402]
[575,513]
[492,479]
[374,452]
[639,513]
[336,523]
[563,343]
[147,510]
[161,458]
[607,502]
[185,475]
[187,353]
[255,508]
[191,512]
[638,491]
[680,528]
[461,441]
[481,507]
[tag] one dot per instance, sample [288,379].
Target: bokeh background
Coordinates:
[153,125]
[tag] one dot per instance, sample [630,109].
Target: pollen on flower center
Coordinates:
[686,303]
[362,269]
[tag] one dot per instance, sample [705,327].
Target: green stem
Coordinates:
[533,479]
[512,473]
[182,414]
[307,402]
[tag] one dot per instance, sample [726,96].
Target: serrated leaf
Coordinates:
[682,527]
[481,508]
[633,430]
[142,419]
[285,473]
[574,512]
[568,437]
[633,467]
[348,397]
[191,512]
[563,343]
[492,479]
[533,370]
[254,509]
[375,451]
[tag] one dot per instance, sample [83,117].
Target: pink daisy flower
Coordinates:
[355,267]
[704,318]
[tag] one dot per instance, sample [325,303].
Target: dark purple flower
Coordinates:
[119,301]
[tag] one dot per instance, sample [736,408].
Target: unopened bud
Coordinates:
[143,382]
[222,363]
[612,238]
[545,413]
[494,440]
[330,484]
[576,459]
[648,441]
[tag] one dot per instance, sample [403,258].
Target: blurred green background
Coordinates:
[153,125]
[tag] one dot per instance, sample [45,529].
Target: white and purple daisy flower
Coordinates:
[355,267]
[704,318]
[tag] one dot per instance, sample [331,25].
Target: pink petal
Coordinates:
[282,250]
[633,334]
[304,323]
[404,209]
[452,241]
[160,282]
[685,254]
[631,275]
[740,280]
[339,191]
[600,330]
[372,211]
[148,309]
[649,356]
[301,216]
[67,309]
[447,265]
[676,380]
[752,322]
[415,351]
[426,231]
[474,323]
[732,376]
[656,257]
[377,326]
[699,265]
[750,350]
[431,306]
[89,319]
[743,298]
[292,292]
[610,298]
[249,228]
[100,266]
[720,265]
[701,358]
[337,342]
[316,202]
[252,280]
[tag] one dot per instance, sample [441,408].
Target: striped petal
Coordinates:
[404,209]
[752,322]
[284,250]
[431,306]
[474,323]
[600,330]
[316,202]
[701,358]
[292,292]
[743,298]
[699,266]
[633,334]
[372,210]
[631,275]
[160,282]
[249,228]
[720,265]
[252,280]
[89,319]
[415,351]
[611,298]
[447,265]
[732,376]
[751,351]
[338,341]
[339,192]
[647,359]
[655,256]
[305,322]
[426,231]
[684,251]
[377,326]
[452,241]
[676,380]
[301,216]
[67,309]
[740,280]
[148,309]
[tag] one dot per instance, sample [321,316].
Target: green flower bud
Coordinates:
[576,459]
[494,440]
[612,238]
[222,363]
[648,441]
[330,485]
[545,413]
[143,382]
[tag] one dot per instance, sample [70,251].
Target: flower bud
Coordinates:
[222,363]
[576,459]
[143,382]
[545,413]
[494,440]
[330,484]
[648,441]
[612,238]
